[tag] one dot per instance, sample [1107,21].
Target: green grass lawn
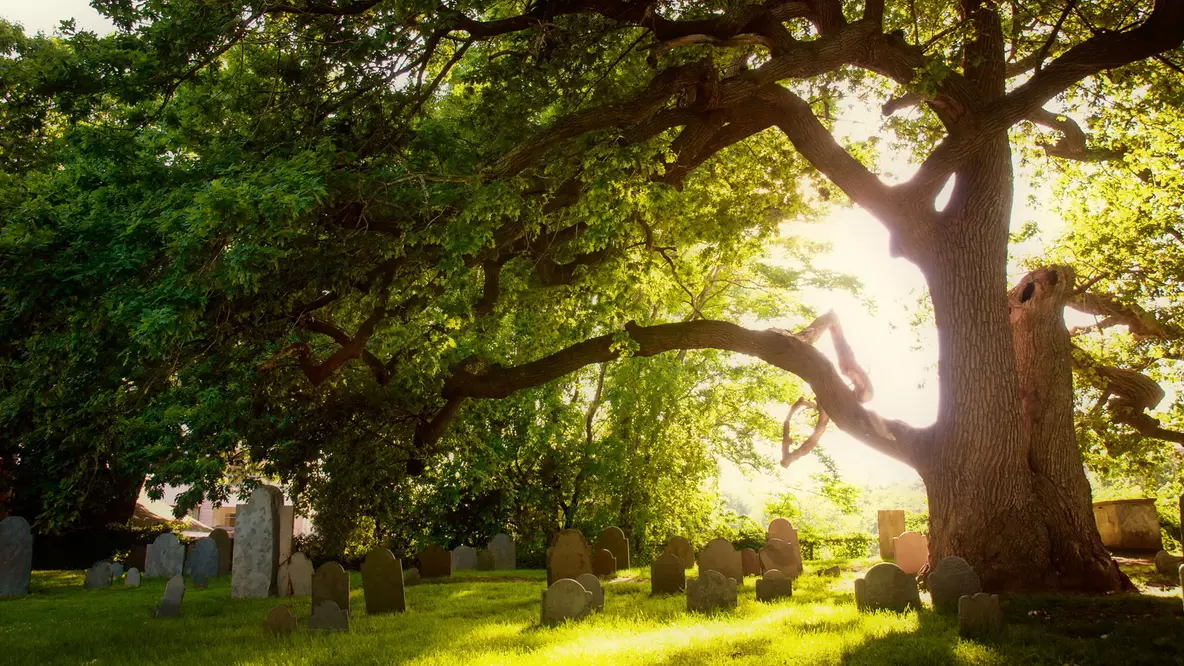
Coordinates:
[492,618]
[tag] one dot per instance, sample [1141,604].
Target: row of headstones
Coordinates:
[953,585]
[909,550]
[382,587]
[570,556]
[435,561]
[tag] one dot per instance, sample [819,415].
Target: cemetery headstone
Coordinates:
[773,585]
[719,555]
[782,529]
[568,556]
[603,563]
[189,558]
[952,579]
[1166,563]
[1181,574]
[592,584]
[979,615]
[710,591]
[565,599]
[886,587]
[116,571]
[614,541]
[300,575]
[138,558]
[502,550]
[891,524]
[682,549]
[1128,524]
[782,556]
[222,538]
[331,583]
[132,579]
[98,576]
[912,551]
[327,616]
[203,564]
[165,557]
[287,524]
[16,556]
[256,545]
[667,575]
[464,557]
[751,562]
[435,562]
[280,620]
[382,583]
[412,577]
[174,592]
[484,560]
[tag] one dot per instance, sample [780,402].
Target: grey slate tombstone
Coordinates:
[280,620]
[1166,563]
[886,587]
[565,599]
[501,547]
[614,541]
[382,583]
[484,560]
[98,576]
[174,592]
[256,548]
[222,538]
[300,575]
[412,577]
[326,616]
[719,555]
[165,557]
[116,571]
[682,549]
[773,585]
[331,583]
[667,574]
[711,591]
[132,579]
[16,556]
[952,579]
[203,562]
[979,615]
[591,583]
[464,557]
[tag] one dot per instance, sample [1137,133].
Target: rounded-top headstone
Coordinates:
[719,555]
[711,590]
[751,562]
[280,620]
[603,563]
[682,549]
[132,578]
[412,577]
[382,583]
[885,586]
[772,585]
[98,576]
[331,583]
[952,578]
[782,556]
[565,599]
[435,562]
[501,547]
[16,556]
[165,557]
[592,584]
[568,556]
[300,575]
[667,575]
[464,557]
[781,528]
[614,541]
[912,551]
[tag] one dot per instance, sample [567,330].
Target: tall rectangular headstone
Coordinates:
[382,583]
[165,557]
[502,550]
[203,561]
[222,538]
[287,527]
[16,556]
[256,545]
[891,524]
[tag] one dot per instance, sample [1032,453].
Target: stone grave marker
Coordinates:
[682,549]
[222,538]
[300,575]
[603,563]
[174,592]
[331,583]
[16,556]
[1166,563]
[568,556]
[885,586]
[501,547]
[1181,574]
[710,591]
[382,583]
[773,585]
[719,555]
[189,558]
[592,584]
[750,562]
[1182,519]
[203,564]
[912,551]
[667,575]
[614,541]
[165,557]
[256,545]
[98,576]
[287,526]
[484,560]
[979,615]
[326,616]
[464,557]
[138,558]
[782,529]
[565,599]
[280,620]
[782,556]
[116,571]
[891,525]
[435,562]
[412,577]
[132,579]
[952,579]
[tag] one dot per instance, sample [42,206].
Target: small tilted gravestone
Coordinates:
[174,593]
[132,579]
[790,559]
[435,562]
[604,563]
[912,551]
[711,591]
[565,599]
[667,575]
[773,585]
[203,561]
[719,555]
[886,587]
[412,577]
[225,551]
[300,575]
[257,545]
[979,615]
[464,557]
[751,562]
[327,616]
[1166,563]
[952,579]
[682,549]
[382,583]
[501,547]
[98,576]
[116,571]
[592,584]
[331,583]
[568,556]
[614,541]
[780,555]
[280,620]
[16,556]
[484,560]
[165,557]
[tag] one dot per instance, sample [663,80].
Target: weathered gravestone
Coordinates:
[203,563]
[912,551]
[1181,574]
[667,575]
[331,583]
[979,615]
[750,562]
[256,545]
[484,560]
[16,556]
[225,554]
[300,575]
[886,587]
[773,585]
[565,599]
[682,549]
[174,592]
[283,579]
[280,620]
[952,579]
[711,590]
[568,556]
[891,525]
[412,577]
[165,557]
[116,571]
[138,558]
[435,562]
[614,541]
[1166,563]
[132,579]
[326,616]
[189,558]
[501,547]
[592,584]
[464,557]
[382,583]
[603,563]
[719,555]
[98,576]
[782,529]
[782,556]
